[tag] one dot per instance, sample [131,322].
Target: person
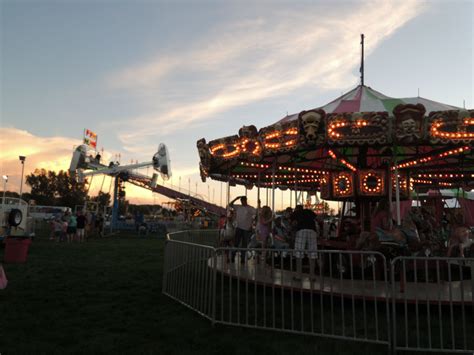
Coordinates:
[305,238]
[459,239]
[381,218]
[221,223]
[52,226]
[72,228]
[262,232]
[280,237]
[64,235]
[287,226]
[89,224]
[81,224]
[99,225]
[226,232]
[244,216]
[58,228]
[332,229]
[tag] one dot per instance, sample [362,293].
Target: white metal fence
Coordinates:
[406,304]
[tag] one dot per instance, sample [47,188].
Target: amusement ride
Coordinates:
[363,148]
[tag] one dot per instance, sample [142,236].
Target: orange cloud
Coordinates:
[51,153]
[54,153]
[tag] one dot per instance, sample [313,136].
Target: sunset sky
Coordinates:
[139,73]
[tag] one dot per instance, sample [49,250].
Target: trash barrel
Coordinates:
[16,250]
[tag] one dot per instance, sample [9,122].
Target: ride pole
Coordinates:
[258,191]
[390,196]
[397,196]
[22,159]
[115,206]
[273,186]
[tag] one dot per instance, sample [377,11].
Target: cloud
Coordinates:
[54,153]
[244,62]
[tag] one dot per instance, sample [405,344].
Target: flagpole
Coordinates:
[362,60]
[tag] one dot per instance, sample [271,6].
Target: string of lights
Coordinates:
[431,158]
[343,161]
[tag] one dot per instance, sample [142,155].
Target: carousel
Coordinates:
[370,151]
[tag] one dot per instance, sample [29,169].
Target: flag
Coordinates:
[90,138]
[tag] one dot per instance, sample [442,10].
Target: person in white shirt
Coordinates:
[244,216]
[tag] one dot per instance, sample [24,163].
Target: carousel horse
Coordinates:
[406,233]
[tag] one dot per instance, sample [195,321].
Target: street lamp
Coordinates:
[22,159]
[5,180]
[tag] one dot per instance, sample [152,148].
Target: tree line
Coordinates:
[52,188]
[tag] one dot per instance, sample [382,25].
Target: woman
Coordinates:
[264,226]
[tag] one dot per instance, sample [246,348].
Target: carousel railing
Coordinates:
[433,303]
[339,294]
[268,292]
[187,277]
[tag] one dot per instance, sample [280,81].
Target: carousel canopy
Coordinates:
[356,146]
[365,99]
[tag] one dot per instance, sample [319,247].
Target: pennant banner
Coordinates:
[90,138]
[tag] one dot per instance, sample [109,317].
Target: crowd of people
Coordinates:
[248,227]
[69,227]
[300,228]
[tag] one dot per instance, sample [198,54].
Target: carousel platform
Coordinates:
[441,292]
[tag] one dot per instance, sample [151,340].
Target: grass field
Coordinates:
[104,296]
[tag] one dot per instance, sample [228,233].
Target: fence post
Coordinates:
[214,288]
[165,266]
[392,329]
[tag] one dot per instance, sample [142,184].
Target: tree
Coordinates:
[103,199]
[57,189]
[42,185]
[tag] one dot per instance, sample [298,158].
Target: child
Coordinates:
[64,235]
[58,228]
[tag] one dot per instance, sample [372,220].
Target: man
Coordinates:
[306,238]
[81,224]
[244,216]
[287,226]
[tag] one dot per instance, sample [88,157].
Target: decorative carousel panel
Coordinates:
[409,123]
[359,128]
[205,157]
[451,126]
[371,182]
[326,188]
[250,146]
[225,148]
[342,185]
[312,128]
[280,137]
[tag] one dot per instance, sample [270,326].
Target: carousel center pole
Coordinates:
[296,192]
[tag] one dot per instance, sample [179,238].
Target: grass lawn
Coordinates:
[104,296]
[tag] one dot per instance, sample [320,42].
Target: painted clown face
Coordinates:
[408,126]
[311,122]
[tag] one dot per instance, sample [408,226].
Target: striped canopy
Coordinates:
[365,99]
